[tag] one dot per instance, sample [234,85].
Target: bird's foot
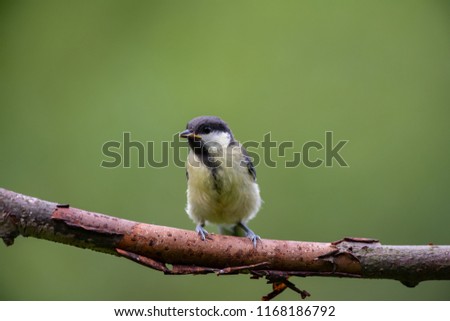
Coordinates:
[250,234]
[201,231]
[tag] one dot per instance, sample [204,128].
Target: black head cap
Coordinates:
[206,124]
[200,126]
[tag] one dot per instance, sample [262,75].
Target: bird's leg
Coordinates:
[250,234]
[201,231]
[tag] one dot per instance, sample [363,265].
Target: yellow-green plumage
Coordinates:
[222,186]
[228,197]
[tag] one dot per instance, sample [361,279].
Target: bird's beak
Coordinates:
[187,133]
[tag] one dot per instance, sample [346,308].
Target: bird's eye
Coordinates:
[207,129]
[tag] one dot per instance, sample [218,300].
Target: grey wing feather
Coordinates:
[248,162]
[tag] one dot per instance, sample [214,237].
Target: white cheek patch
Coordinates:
[216,141]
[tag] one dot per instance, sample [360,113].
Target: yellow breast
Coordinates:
[226,194]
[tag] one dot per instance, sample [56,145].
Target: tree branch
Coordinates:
[156,246]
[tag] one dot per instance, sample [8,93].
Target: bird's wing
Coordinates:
[247,161]
[250,167]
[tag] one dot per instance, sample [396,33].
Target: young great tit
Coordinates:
[222,186]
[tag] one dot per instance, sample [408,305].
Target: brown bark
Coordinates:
[155,246]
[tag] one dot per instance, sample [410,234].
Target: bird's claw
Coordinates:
[254,238]
[250,234]
[201,231]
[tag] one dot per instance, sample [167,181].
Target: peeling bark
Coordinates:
[156,246]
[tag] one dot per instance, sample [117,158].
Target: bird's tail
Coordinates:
[233,230]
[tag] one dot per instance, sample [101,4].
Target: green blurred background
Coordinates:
[76,74]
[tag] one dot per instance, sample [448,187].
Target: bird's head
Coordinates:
[206,133]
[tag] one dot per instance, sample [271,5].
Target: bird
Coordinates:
[221,178]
